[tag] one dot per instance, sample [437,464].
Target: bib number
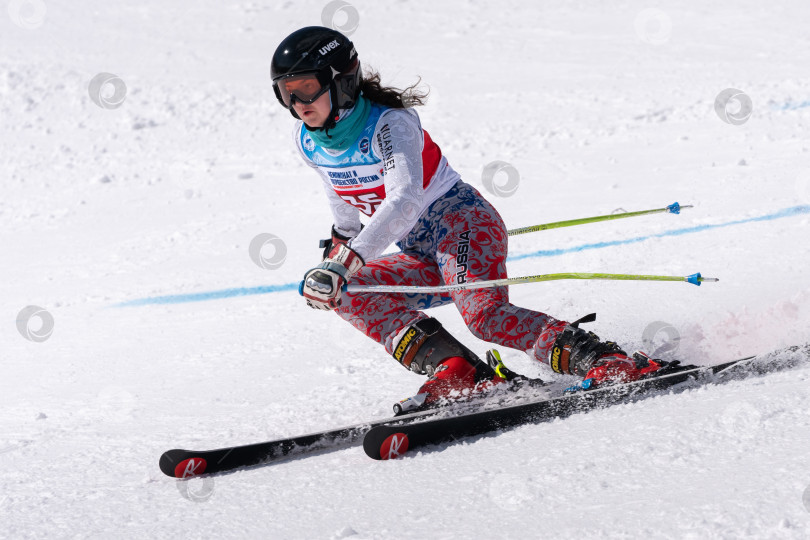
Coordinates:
[366,203]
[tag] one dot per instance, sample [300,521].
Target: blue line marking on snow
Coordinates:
[787,212]
[247,291]
[790,105]
[210,295]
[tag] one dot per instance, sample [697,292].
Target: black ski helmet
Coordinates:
[326,53]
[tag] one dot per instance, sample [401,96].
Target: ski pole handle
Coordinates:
[695,279]
[673,208]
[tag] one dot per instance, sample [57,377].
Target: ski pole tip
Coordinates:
[697,279]
[676,208]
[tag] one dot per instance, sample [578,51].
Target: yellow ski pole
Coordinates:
[673,208]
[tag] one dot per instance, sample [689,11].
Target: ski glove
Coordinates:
[322,285]
[336,238]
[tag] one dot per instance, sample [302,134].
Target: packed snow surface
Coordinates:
[143,151]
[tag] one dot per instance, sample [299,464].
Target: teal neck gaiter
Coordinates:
[346,130]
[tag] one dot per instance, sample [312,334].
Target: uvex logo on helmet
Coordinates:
[328,47]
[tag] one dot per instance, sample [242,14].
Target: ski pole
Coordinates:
[673,208]
[695,279]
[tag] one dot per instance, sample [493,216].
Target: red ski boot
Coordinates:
[623,368]
[578,352]
[455,371]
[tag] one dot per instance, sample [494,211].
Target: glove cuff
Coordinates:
[336,238]
[344,261]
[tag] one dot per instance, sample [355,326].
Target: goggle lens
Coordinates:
[306,89]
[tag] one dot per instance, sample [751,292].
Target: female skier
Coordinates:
[374,157]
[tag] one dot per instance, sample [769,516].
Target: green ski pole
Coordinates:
[673,208]
[695,279]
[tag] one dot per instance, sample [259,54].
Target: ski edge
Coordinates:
[388,442]
[183,463]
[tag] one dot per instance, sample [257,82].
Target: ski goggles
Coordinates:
[305,88]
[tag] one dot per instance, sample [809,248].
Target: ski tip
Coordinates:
[394,446]
[171,465]
[391,447]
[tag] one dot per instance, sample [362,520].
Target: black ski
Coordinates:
[433,425]
[179,463]
[187,463]
[391,441]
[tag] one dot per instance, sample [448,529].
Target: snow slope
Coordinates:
[599,106]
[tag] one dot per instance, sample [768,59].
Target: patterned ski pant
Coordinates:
[460,238]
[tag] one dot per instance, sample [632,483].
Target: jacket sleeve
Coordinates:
[398,139]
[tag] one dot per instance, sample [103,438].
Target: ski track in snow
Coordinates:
[597,109]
